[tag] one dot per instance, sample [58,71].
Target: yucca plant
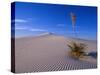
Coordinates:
[77,50]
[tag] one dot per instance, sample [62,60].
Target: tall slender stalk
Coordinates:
[73,18]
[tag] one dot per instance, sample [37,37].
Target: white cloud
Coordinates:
[28,28]
[20,28]
[37,30]
[61,25]
[20,20]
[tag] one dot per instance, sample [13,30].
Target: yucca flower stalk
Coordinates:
[73,19]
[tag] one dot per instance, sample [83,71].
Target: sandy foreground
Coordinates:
[49,53]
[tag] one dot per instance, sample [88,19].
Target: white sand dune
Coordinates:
[48,53]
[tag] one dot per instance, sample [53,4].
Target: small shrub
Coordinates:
[77,50]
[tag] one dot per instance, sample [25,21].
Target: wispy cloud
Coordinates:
[29,29]
[36,30]
[60,25]
[21,28]
[20,20]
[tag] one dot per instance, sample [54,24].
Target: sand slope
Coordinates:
[48,53]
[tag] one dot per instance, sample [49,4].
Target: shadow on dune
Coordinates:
[93,54]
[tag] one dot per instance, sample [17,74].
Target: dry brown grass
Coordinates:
[77,50]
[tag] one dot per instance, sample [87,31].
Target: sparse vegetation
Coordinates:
[77,50]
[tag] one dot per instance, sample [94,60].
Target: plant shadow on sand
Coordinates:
[93,54]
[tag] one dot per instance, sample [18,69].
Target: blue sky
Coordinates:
[32,19]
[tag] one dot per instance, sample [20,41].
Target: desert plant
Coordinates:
[77,49]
